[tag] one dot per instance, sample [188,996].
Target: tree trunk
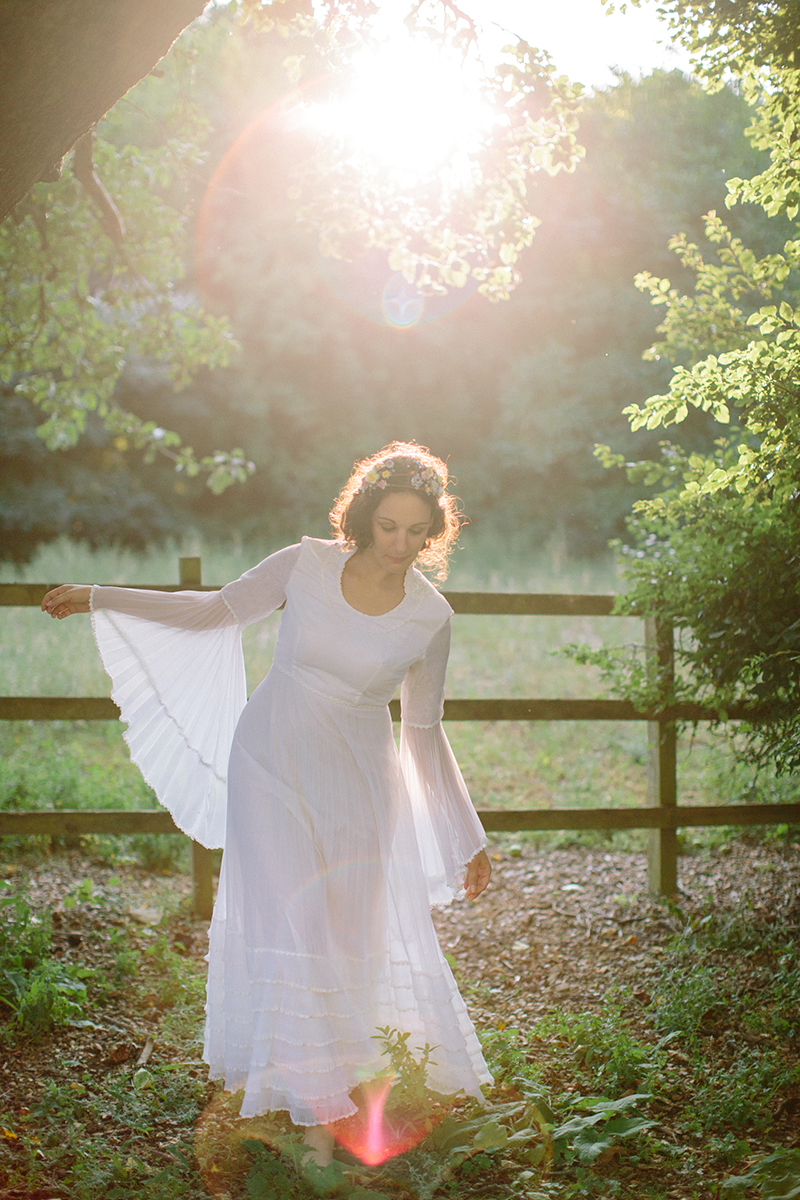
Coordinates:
[63,64]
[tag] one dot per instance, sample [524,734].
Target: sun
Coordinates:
[410,112]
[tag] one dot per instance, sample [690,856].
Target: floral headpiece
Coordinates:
[416,475]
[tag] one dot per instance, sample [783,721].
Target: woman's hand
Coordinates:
[68,599]
[479,869]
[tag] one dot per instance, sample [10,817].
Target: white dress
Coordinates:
[335,845]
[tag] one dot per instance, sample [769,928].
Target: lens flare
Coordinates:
[403,304]
[372,1135]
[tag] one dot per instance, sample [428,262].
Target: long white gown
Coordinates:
[335,845]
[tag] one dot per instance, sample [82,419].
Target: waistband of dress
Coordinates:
[378,708]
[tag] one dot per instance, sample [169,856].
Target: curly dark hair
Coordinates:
[351,515]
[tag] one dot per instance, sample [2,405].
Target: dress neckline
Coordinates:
[345,558]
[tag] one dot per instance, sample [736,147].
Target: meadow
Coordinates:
[506,764]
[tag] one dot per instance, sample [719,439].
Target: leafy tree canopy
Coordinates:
[716,550]
[756,43]
[92,265]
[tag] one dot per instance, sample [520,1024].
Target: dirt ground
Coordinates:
[557,929]
[564,927]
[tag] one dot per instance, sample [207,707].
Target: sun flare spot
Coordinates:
[410,110]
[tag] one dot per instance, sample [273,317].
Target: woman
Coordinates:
[335,845]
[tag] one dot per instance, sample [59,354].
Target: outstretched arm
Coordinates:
[68,599]
[255,595]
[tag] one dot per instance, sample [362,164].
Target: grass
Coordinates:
[506,764]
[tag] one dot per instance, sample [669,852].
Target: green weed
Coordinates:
[776,1176]
[599,1124]
[689,995]
[271,1178]
[740,1094]
[36,992]
[115,1163]
[603,1053]
[409,1091]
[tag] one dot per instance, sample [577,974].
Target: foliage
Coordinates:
[548,1129]
[532,383]
[757,44]
[442,233]
[777,1177]
[91,266]
[409,1091]
[321,376]
[36,991]
[707,989]
[80,296]
[595,1133]
[270,1177]
[714,552]
[104,1130]
[603,1049]
[466,218]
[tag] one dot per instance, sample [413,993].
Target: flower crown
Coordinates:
[416,475]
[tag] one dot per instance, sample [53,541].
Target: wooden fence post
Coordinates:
[190,572]
[191,575]
[662,782]
[202,881]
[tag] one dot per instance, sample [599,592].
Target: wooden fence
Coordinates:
[662,816]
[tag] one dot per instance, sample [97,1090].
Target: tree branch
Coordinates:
[63,65]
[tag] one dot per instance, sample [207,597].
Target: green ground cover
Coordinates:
[686,1090]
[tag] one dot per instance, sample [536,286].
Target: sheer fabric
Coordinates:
[334,844]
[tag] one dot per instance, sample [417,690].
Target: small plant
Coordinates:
[587,1137]
[49,995]
[777,1177]
[741,1095]
[84,893]
[688,995]
[270,1178]
[408,1074]
[36,992]
[603,1049]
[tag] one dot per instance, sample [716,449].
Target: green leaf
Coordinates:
[577,1125]
[591,1143]
[623,1127]
[491,1136]
[601,1105]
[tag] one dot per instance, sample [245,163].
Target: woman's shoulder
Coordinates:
[322,546]
[434,602]
[322,550]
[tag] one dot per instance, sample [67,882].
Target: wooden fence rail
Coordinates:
[662,816]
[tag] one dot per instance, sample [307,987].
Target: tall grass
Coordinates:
[506,764]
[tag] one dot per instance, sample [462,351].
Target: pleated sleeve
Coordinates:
[177,671]
[448,830]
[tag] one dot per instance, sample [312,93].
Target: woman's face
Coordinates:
[400,526]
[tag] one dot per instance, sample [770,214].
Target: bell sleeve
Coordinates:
[448,830]
[177,671]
